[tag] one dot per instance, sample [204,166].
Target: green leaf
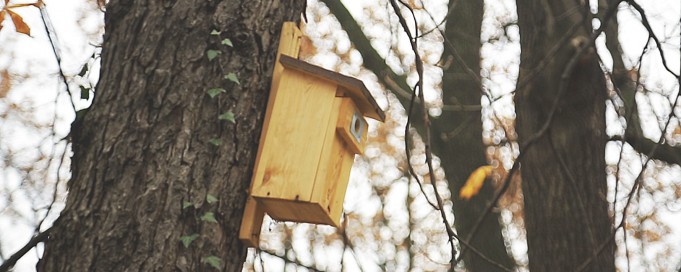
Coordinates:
[215,91]
[186,204]
[215,32]
[213,261]
[229,116]
[83,71]
[232,77]
[211,199]
[84,93]
[188,239]
[215,142]
[211,54]
[209,217]
[227,42]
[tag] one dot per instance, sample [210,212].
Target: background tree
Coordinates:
[560,102]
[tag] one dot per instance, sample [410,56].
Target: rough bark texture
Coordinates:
[142,151]
[458,136]
[564,180]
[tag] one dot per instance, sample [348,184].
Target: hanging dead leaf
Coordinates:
[676,131]
[19,23]
[5,83]
[475,181]
[2,18]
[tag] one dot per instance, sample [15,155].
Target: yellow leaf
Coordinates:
[475,181]
[19,23]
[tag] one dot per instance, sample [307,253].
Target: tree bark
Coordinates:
[564,179]
[458,136]
[143,164]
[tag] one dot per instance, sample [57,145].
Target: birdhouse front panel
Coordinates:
[293,141]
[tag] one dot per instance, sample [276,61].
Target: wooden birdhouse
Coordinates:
[314,125]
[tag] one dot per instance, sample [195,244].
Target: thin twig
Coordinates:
[49,29]
[646,24]
[285,259]
[12,260]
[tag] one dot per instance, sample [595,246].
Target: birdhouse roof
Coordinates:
[355,87]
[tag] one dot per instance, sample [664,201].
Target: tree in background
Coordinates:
[560,100]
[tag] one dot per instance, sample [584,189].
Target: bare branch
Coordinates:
[12,260]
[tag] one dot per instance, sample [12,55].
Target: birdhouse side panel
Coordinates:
[334,194]
[294,139]
[335,163]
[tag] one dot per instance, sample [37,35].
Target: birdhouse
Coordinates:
[314,125]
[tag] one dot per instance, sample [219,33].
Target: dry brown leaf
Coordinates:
[2,17]
[677,131]
[307,48]
[5,84]
[19,23]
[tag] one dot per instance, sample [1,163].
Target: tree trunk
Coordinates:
[564,180]
[458,136]
[461,153]
[146,156]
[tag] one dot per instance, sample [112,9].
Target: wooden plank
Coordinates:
[344,148]
[324,180]
[296,211]
[346,128]
[355,87]
[289,44]
[342,166]
[295,138]
[251,223]
[336,162]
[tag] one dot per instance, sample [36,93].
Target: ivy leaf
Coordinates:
[232,77]
[84,93]
[215,142]
[209,217]
[211,199]
[186,204]
[229,116]
[215,32]
[211,54]
[215,91]
[213,261]
[83,71]
[227,42]
[188,239]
